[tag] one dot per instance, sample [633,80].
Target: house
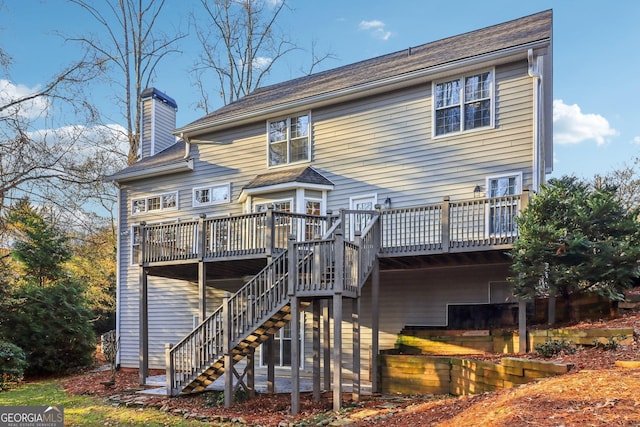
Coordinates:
[300,228]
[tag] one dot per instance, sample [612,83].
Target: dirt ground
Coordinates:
[595,393]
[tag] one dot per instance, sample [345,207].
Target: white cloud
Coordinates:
[261,62]
[572,126]
[636,140]
[10,92]
[376,29]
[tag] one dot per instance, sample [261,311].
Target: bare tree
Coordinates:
[134,46]
[240,43]
[627,182]
[41,155]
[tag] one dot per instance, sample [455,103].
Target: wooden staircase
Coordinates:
[242,349]
[248,318]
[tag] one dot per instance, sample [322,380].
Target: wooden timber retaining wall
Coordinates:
[417,374]
[452,342]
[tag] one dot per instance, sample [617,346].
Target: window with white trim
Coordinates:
[282,342]
[211,195]
[463,104]
[135,244]
[156,202]
[503,206]
[289,140]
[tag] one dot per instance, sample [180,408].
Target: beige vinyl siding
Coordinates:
[172,307]
[380,145]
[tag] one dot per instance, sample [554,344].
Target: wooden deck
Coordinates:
[306,258]
[448,227]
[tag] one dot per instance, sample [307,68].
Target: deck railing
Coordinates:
[225,237]
[450,226]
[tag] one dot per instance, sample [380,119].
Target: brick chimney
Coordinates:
[158,122]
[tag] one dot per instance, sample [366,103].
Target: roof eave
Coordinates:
[182,166]
[499,56]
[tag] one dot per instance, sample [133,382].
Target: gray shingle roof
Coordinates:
[304,174]
[173,155]
[519,32]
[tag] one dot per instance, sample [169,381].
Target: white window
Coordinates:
[282,343]
[463,104]
[211,195]
[289,140]
[503,206]
[156,202]
[135,245]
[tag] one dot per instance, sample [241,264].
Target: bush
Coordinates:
[552,348]
[52,325]
[12,364]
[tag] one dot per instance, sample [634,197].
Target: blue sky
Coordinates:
[596,57]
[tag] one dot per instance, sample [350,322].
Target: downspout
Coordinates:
[535,71]
[118,278]
[187,145]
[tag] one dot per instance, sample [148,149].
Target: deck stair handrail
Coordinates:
[203,348]
[245,318]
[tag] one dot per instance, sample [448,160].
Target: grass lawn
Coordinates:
[88,411]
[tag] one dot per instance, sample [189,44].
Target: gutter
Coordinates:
[354,91]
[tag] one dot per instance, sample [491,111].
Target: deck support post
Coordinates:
[375,325]
[228,358]
[337,321]
[143,334]
[169,368]
[355,323]
[316,349]
[326,344]
[202,270]
[295,356]
[251,363]
[271,367]
[295,325]
[522,326]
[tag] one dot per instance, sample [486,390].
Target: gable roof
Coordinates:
[520,34]
[304,176]
[170,160]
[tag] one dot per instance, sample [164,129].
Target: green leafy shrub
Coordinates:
[552,348]
[612,344]
[52,324]
[13,362]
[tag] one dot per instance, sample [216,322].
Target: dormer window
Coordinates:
[463,104]
[289,140]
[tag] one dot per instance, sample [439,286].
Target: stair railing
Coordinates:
[263,294]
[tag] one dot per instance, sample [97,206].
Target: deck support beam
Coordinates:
[228,358]
[316,349]
[337,321]
[202,291]
[355,323]
[269,350]
[375,325]
[522,326]
[295,356]
[326,344]
[143,333]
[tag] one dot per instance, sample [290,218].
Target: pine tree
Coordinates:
[575,238]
